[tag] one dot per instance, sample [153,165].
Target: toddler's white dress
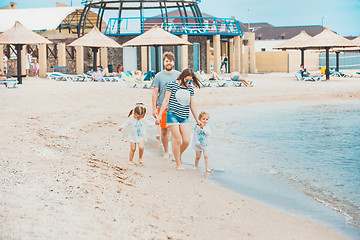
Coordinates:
[136,129]
[201,136]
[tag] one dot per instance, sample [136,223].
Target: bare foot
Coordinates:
[141,163]
[131,163]
[180,168]
[166,156]
[195,168]
[209,170]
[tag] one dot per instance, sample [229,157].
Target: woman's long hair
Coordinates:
[189,72]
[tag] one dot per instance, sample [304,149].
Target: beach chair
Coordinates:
[87,77]
[339,74]
[127,78]
[301,78]
[111,78]
[57,76]
[9,82]
[74,77]
[217,83]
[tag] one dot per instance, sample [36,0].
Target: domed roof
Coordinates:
[140,4]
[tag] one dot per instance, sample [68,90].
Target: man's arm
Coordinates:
[154,101]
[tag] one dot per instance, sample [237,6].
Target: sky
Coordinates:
[341,16]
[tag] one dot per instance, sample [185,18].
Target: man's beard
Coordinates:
[169,67]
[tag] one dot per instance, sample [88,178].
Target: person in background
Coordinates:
[5,60]
[27,63]
[235,76]
[304,73]
[224,63]
[36,68]
[120,68]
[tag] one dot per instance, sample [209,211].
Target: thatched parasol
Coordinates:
[296,42]
[19,35]
[325,40]
[156,37]
[95,39]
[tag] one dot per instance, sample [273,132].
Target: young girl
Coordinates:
[201,140]
[137,132]
[179,98]
[36,68]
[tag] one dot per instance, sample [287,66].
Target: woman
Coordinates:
[179,98]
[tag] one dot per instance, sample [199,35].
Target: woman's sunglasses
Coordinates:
[189,81]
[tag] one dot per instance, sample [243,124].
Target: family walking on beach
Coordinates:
[172,101]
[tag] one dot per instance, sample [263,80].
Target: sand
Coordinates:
[64,172]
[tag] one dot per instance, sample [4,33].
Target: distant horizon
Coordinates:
[340,16]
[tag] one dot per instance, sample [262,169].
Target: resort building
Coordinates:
[248,47]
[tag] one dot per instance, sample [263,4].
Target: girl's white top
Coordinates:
[201,136]
[136,129]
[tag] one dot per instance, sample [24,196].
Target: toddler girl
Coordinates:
[137,132]
[201,140]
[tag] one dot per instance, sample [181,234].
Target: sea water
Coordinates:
[301,157]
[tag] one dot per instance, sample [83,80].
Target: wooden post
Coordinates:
[104,57]
[42,61]
[327,71]
[184,54]
[23,60]
[217,53]
[237,54]
[144,59]
[80,60]
[231,65]
[302,56]
[1,57]
[208,56]
[61,54]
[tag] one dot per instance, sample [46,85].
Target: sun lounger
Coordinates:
[74,77]
[9,82]
[57,76]
[339,74]
[236,83]
[87,77]
[131,81]
[301,78]
[217,83]
[111,78]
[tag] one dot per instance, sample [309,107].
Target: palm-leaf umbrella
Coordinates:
[95,40]
[296,42]
[156,37]
[325,40]
[19,35]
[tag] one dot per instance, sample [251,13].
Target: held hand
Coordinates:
[158,121]
[200,124]
[120,129]
[200,145]
[154,114]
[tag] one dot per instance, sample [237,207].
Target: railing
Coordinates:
[174,25]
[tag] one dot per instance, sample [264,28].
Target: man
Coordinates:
[160,83]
